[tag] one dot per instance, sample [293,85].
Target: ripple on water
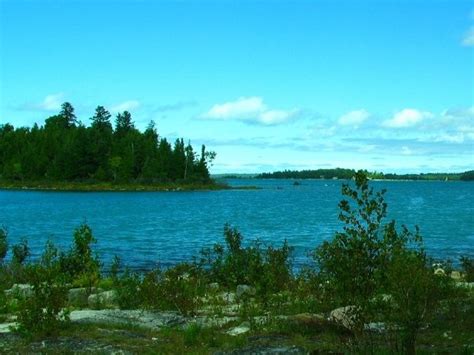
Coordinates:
[170,227]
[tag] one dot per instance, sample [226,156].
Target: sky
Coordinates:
[268,85]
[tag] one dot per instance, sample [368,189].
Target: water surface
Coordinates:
[144,228]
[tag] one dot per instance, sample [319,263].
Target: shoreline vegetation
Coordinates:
[370,289]
[111,187]
[346,174]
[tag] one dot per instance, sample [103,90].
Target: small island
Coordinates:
[65,154]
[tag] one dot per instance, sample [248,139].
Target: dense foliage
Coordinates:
[64,149]
[468,176]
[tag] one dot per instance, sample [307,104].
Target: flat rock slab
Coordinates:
[265,350]
[146,319]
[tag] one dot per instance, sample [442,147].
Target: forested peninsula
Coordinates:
[66,154]
[340,173]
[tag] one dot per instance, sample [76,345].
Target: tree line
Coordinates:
[64,149]
[346,174]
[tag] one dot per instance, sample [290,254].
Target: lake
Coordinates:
[146,228]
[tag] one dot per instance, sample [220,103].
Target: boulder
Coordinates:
[241,329]
[308,319]
[20,291]
[105,299]
[245,290]
[456,275]
[78,297]
[227,297]
[344,316]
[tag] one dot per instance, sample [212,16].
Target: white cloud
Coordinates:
[51,102]
[125,106]
[468,39]
[251,110]
[353,118]
[407,118]
[406,151]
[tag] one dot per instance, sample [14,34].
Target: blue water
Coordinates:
[146,228]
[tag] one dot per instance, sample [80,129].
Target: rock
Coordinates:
[78,297]
[20,291]
[245,290]
[456,275]
[468,285]
[7,327]
[344,316]
[265,350]
[228,297]
[308,319]
[145,319]
[105,299]
[377,327]
[241,329]
[440,272]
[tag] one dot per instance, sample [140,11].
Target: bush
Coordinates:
[79,264]
[3,244]
[415,293]
[20,252]
[181,288]
[43,313]
[268,270]
[467,265]
[369,259]
[127,285]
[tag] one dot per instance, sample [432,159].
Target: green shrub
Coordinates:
[269,269]
[369,259]
[467,265]
[79,263]
[415,292]
[3,244]
[181,288]
[43,313]
[20,252]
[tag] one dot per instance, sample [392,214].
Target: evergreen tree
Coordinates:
[67,112]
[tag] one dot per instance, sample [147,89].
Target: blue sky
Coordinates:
[382,85]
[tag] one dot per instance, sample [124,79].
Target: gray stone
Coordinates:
[264,350]
[20,291]
[241,329]
[228,297]
[377,327]
[106,299]
[146,319]
[245,290]
[308,319]
[78,297]
[7,327]
[344,316]
[468,285]
[456,275]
